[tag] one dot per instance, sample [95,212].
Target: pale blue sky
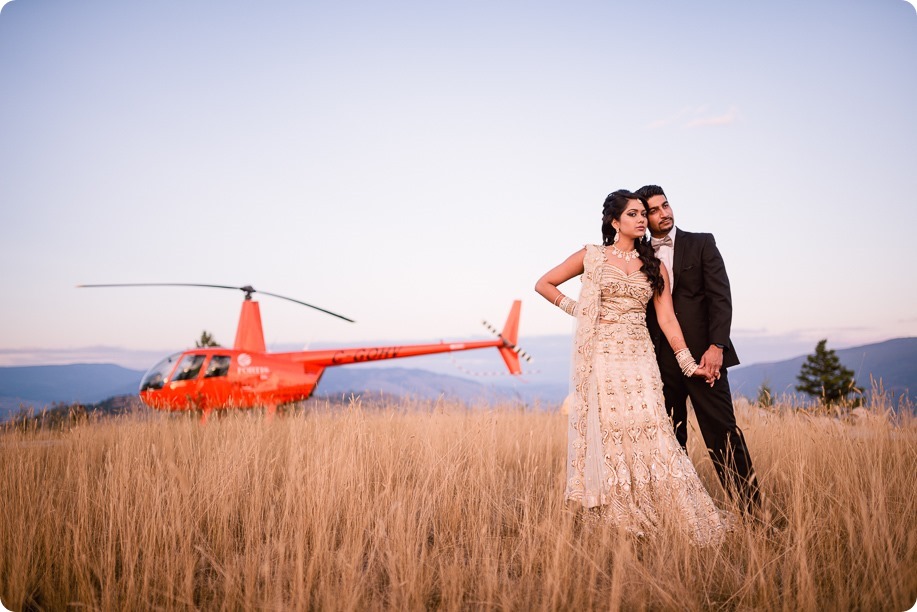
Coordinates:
[418,165]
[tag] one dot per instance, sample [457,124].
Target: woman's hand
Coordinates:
[706,374]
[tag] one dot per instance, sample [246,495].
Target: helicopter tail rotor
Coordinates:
[510,335]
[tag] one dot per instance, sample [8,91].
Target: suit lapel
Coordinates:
[681,243]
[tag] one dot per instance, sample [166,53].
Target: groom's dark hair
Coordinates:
[648,191]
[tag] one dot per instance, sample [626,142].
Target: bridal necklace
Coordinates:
[625,255]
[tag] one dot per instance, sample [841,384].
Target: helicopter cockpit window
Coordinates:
[218,366]
[189,367]
[156,376]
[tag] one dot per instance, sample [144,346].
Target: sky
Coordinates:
[417,166]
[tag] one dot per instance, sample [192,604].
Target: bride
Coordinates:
[622,454]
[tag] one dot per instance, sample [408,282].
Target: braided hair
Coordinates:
[614,207]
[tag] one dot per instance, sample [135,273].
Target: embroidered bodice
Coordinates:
[623,294]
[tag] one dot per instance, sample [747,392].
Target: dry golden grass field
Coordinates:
[413,506]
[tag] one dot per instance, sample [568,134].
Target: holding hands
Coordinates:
[713,360]
[707,374]
[691,368]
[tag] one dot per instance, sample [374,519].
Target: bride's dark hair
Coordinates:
[612,210]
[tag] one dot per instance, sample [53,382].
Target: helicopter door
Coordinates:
[184,385]
[216,385]
[218,366]
[189,367]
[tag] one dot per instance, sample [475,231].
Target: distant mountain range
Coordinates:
[40,386]
[893,363]
[470,377]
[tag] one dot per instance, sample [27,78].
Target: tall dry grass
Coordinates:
[417,506]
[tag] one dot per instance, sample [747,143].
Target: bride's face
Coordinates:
[632,223]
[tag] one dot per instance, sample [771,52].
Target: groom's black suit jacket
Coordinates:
[703,305]
[701,296]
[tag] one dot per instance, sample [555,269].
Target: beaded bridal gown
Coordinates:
[622,455]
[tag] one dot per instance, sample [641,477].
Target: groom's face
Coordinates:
[661,217]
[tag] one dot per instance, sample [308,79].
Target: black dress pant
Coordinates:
[716,418]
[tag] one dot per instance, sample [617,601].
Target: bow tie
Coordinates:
[658,242]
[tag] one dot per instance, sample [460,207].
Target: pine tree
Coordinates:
[823,376]
[206,340]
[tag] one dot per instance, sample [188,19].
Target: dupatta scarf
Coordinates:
[586,469]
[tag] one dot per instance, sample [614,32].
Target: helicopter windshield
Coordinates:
[156,376]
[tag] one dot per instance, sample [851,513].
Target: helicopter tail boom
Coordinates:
[505,343]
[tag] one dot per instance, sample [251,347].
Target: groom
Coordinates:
[703,305]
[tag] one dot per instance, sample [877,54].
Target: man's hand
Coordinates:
[706,374]
[712,361]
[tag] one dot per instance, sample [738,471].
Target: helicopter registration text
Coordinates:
[367,354]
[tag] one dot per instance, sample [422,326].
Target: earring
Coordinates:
[617,235]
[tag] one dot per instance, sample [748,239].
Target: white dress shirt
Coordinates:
[666,254]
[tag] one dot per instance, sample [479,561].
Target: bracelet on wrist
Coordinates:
[686,361]
[568,306]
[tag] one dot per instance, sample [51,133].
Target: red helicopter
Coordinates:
[247,376]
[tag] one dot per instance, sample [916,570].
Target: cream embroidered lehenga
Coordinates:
[622,454]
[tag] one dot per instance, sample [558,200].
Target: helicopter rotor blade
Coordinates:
[248,290]
[161,285]
[283,297]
